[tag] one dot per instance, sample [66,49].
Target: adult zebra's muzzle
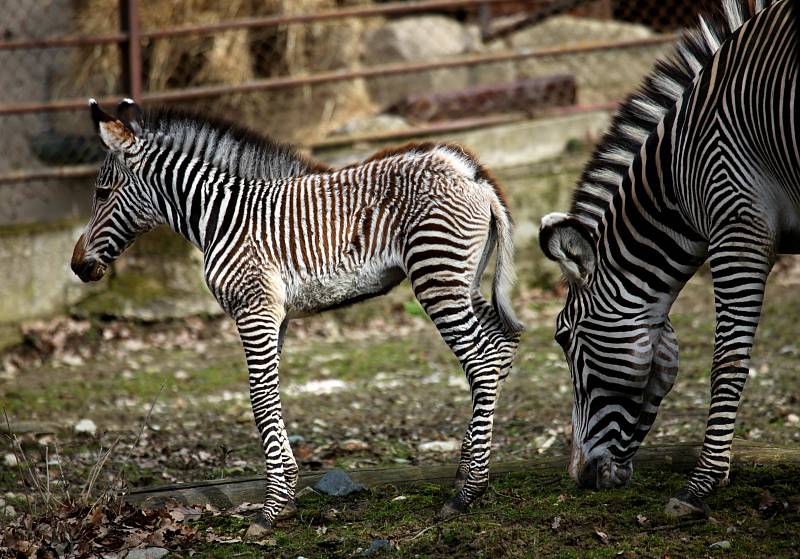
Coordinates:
[604,473]
[88,269]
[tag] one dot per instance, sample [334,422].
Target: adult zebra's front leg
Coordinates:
[261,337]
[739,271]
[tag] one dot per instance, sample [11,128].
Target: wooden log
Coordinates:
[227,493]
[24,427]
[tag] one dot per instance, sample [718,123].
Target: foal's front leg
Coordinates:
[260,335]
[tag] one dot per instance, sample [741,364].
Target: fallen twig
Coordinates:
[446,520]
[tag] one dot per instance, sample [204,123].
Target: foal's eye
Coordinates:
[102,194]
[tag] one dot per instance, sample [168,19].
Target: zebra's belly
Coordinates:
[321,293]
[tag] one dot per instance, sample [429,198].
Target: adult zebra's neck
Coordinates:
[647,249]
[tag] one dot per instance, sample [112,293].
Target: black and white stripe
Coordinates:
[282,236]
[702,163]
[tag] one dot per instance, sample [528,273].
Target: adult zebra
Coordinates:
[284,237]
[702,163]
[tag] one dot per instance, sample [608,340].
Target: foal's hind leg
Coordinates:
[447,302]
[506,345]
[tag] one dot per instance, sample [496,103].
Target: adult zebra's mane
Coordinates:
[637,118]
[228,146]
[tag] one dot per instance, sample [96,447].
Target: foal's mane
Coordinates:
[238,150]
[637,118]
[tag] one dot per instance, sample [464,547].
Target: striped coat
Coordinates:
[283,237]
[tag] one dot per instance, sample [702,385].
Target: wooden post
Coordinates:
[131,49]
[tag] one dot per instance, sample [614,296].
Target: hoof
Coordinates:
[288,511]
[451,508]
[683,504]
[259,529]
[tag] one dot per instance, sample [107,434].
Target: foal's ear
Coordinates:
[114,133]
[130,114]
[568,241]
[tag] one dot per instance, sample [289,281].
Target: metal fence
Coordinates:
[311,71]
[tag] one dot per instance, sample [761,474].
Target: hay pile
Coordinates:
[299,114]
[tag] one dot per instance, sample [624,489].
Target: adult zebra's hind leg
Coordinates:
[506,345]
[739,272]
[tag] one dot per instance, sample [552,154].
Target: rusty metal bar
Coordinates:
[387,9]
[53,42]
[83,171]
[390,8]
[131,50]
[50,173]
[548,10]
[392,69]
[338,75]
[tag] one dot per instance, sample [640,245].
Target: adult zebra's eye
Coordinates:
[102,194]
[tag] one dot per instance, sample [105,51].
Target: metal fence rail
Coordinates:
[124,59]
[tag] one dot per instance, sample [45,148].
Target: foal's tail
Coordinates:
[500,236]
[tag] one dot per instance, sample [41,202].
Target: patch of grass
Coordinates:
[516,519]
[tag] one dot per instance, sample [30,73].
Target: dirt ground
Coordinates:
[366,387]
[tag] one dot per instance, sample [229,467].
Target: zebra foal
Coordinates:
[284,237]
[703,163]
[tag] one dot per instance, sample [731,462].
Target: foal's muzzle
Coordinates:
[88,269]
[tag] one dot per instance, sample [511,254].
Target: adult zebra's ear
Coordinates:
[114,133]
[568,241]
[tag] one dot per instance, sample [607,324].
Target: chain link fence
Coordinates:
[304,71]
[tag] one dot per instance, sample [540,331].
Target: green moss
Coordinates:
[24,229]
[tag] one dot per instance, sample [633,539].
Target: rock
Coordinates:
[372,124]
[449,445]
[293,439]
[9,511]
[10,460]
[415,39]
[147,553]
[793,418]
[600,77]
[376,547]
[338,484]
[724,544]
[86,426]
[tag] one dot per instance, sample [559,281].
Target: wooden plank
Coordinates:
[229,493]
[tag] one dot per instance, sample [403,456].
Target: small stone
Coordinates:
[338,484]
[376,547]
[449,445]
[147,553]
[793,418]
[724,544]
[294,439]
[8,510]
[353,445]
[86,426]
[400,498]
[10,460]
